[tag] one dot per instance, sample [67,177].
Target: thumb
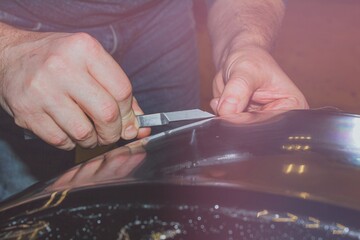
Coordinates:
[236,96]
[129,128]
[143,132]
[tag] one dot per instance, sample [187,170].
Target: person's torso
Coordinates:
[152,40]
[76,13]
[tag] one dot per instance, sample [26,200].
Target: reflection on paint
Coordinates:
[50,203]
[355,132]
[293,168]
[309,222]
[307,137]
[296,147]
[315,223]
[27,230]
[304,195]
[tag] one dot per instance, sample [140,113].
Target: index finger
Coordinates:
[114,80]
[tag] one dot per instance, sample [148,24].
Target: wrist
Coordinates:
[238,44]
[245,52]
[9,36]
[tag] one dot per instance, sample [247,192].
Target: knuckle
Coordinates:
[249,65]
[82,132]
[242,64]
[109,139]
[109,112]
[238,83]
[20,122]
[68,147]
[53,63]
[60,141]
[18,105]
[88,144]
[125,93]
[84,41]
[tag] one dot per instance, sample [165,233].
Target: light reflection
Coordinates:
[286,219]
[304,195]
[341,229]
[51,202]
[296,147]
[293,168]
[262,213]
[300,137]
[355,132]
[308,222]
[301,169]
[289,168]
[299,143]
[315,223]
[28,230]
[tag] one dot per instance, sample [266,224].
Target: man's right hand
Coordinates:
[66,89]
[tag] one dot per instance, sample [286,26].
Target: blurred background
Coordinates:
[318,47]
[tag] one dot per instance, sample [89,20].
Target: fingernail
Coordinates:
[229,105]
[228,101]
[231,100]
[130,132]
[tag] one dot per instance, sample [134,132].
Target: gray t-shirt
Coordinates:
[152,40]
[76,13]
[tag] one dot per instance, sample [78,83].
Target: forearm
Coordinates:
[234,24]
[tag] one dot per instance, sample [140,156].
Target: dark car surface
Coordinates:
[288,175]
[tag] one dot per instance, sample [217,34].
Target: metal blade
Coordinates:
[158,119]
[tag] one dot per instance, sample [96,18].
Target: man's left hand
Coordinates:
[251,80]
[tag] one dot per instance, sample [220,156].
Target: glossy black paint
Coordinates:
[250,176]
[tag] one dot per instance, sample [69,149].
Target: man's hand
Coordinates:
[251,80]
[66,89]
